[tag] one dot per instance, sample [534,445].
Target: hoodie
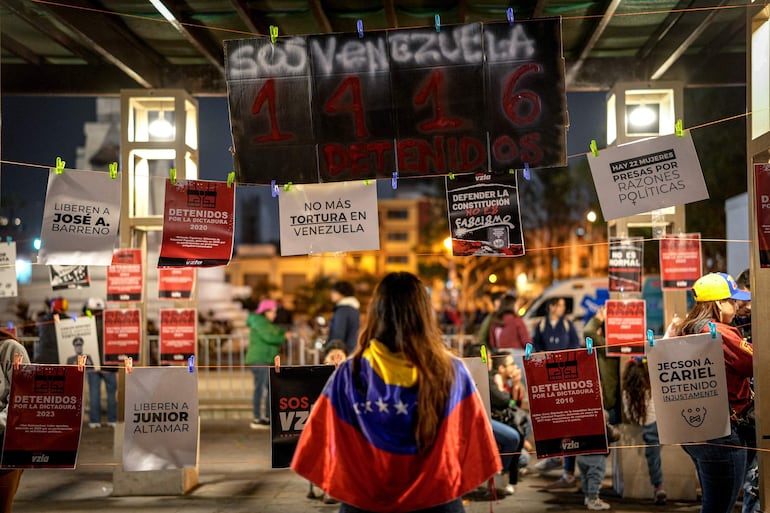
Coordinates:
[345,322]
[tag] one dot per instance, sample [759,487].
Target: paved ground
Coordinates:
[235,477]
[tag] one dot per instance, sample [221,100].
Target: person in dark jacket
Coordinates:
[346,317]
[46,349]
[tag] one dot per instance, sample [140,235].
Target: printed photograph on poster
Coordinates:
[81,217]
[176,282]
[292,394]
[689,388]
[625,326]
[625,264]
[647,175]
[565,402]
[125,276]
[484,216]
[325,218]
[8,284]
[77,337]
[122,336]
[161,419]
[198,224]
[680,261]
[178,335]
[45,416]
[65,277]
[762,190]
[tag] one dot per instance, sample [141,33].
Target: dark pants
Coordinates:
[456,506]
[9,483]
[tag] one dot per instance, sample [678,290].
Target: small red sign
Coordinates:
[680,261]
[122,336]
[625,326]
[762,189]
[176,282]
[178,338]
[125,276]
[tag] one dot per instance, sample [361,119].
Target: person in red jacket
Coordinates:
[721,463]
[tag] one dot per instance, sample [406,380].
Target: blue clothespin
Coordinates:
[678,130]
[509,14]
[590,345]
[8,239]
[191,364]
[360,28]
[594,149]
[74,317]
[273,188]
[113,170]
[230,179]
[273,33]
[484,353]
[527,351]
[526,171]
[437,22]
[10,326]
[172,175]
[394,180]
[59,168]
[651,338]
[713,329]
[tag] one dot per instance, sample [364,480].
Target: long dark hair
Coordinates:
[636,385]
[401,317]
[696,318]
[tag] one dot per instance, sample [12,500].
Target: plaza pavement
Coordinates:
[235,477]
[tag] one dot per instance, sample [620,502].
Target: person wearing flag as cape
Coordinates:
[399,426]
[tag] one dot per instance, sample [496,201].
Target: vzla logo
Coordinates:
[293,420]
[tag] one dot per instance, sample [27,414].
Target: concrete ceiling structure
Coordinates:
[98,47]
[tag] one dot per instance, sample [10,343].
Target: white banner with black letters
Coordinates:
[689,389]
[647,175]
[162,426]
[323,218]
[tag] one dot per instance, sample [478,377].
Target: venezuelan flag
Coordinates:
[359,445]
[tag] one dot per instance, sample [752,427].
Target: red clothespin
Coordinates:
[277,364]
[82,362]
[129,365]
[17,359]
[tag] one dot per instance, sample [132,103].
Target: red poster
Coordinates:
[176,282]
[125,276]
[198,224]
[625,327]
[44,417]
[762,190]
[680,261]
[122,336]
[565,402]
[178,337]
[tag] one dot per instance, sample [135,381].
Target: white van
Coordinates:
[582,296]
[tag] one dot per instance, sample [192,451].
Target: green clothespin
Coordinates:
[367,181]
[678,128]
[287,186]
[59,169]
[484,353]
[230,179]
[273,33]
[113,170]
[451,176]
[172,175]
[89,314]
[511,171]
[594,149]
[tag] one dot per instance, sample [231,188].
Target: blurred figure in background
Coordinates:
[346,317]
[108,374]
[46,348]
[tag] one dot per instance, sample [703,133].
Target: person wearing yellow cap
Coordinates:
[721,463]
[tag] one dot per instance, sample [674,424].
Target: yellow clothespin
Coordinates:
[113,169]
[678,128]
[594,148]
[59,169]
[172,175]
[484,353]
[287,186]
[82,362]
[273,33]
[230,179]
[367,181]
[89,314]
[129,365]
[451,176]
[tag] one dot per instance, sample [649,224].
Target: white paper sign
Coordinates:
[161,414]
[689,390]
[75,337]
[80,219]
[8,285]
[321,218]
[647,175]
